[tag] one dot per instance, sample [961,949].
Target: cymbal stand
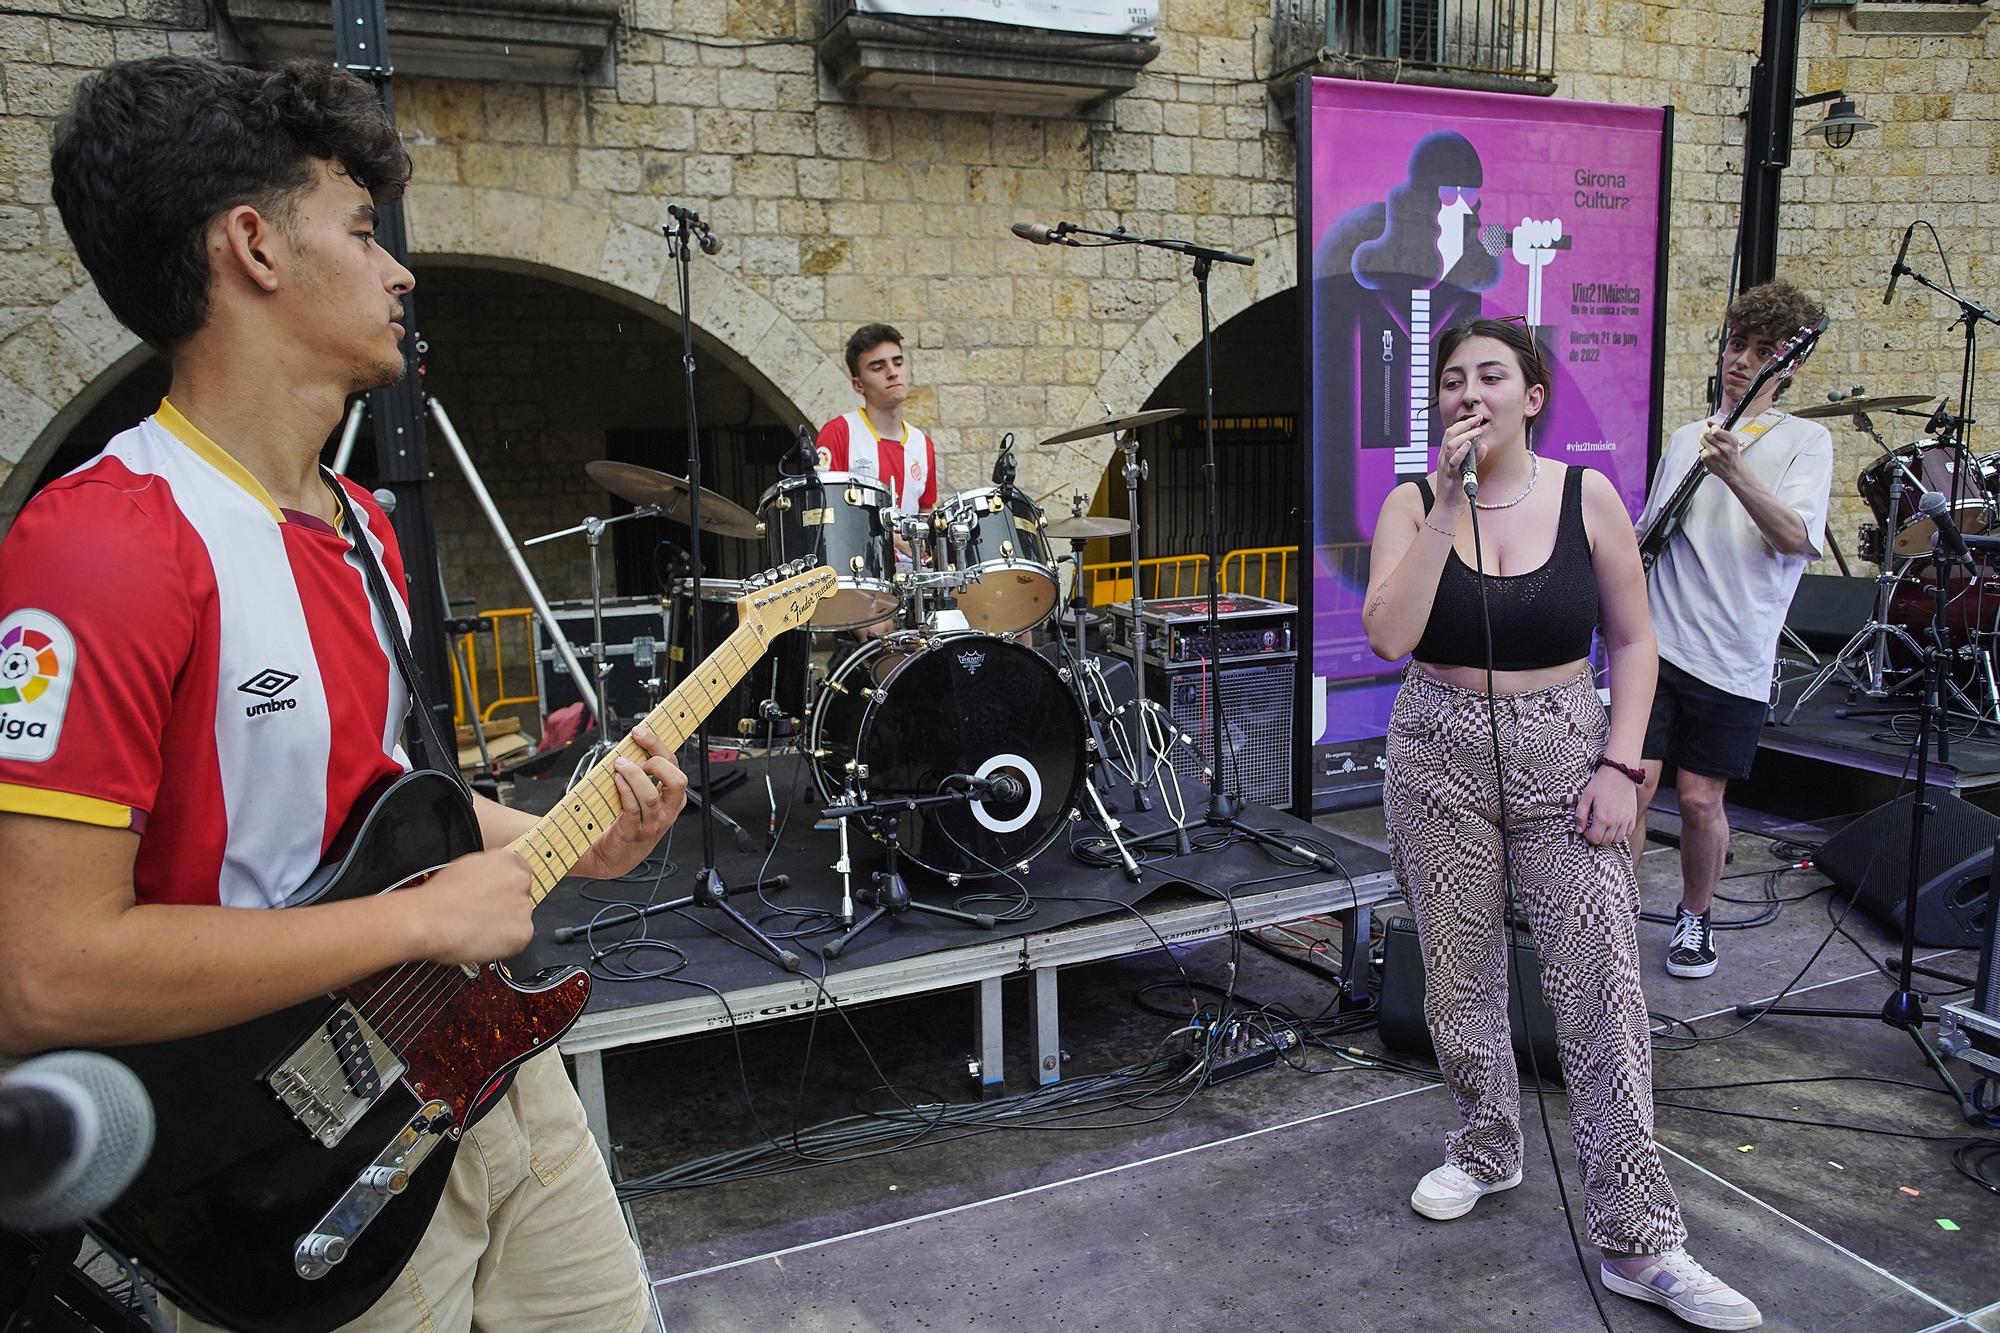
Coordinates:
[1869,647]
[592,529]
[1134,472]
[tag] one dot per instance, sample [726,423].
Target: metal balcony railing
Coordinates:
[1510,38]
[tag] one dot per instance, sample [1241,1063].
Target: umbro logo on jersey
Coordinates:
[268,685]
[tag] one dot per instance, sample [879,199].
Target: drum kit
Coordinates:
[1884,657]
[958,715]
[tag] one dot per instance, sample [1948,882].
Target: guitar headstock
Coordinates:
[1787,359]
[783,598]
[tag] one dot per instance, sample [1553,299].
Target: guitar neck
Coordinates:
[561,837]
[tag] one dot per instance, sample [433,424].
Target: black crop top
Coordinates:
[1540,619]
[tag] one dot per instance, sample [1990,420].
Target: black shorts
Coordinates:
[1702,729]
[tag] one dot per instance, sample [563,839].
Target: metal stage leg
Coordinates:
[590,1091]
[991,1060]
[1048,1028]
[1356,926]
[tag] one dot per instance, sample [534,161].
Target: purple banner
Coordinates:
[1423,207]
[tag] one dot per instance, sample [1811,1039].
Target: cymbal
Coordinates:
[1116,425]
[1847,407]
[643,486]
[1087,526]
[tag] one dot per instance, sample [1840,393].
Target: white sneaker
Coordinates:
[1691,1292]
[1448,1192]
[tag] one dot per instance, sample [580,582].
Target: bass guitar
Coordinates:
[300,1155]
[1784,361]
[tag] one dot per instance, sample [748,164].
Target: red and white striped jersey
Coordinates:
[908,467]
[181,657]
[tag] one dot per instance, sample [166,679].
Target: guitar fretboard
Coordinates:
[560,839]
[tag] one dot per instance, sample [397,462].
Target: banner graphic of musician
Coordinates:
[1421,207]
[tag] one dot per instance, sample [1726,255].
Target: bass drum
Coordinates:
[904,716]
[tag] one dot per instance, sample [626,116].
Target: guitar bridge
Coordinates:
[331,1079]
[315,1253]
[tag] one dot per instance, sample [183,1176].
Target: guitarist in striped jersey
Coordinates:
[196,690]
[1719,592]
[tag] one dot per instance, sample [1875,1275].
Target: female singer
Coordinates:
[1560,560]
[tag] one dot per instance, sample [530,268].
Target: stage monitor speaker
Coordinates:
[1828,608]
[1986,995]
[1954,897]
[1401,1021]
[1256,724]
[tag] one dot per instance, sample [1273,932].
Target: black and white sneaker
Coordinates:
[1691,953]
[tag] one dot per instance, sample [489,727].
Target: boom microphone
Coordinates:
[1042,234]
[1896,269]
[75,1128]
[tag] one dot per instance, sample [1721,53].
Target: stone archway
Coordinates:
[1163,340]
[81,351]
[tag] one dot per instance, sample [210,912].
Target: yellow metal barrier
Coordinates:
[518,621]
[1251,570]
[1165,576]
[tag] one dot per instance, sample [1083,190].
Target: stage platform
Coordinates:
[1827,754]
[1080,913]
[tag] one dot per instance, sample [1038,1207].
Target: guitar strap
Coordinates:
[432,752]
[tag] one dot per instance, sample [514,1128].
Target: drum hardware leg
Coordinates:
[1110,827]
[1134,471]
[1870,643]
[889,896]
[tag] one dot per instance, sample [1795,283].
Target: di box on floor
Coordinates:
[1954,897]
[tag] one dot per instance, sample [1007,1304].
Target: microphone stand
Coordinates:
[684,234]
[1223,809]
[1970,313]
[1904,1008]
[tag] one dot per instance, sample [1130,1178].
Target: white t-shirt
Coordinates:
[1719,591]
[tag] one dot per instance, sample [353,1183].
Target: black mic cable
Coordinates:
[1515,983]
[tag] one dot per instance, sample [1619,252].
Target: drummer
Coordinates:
[874,441]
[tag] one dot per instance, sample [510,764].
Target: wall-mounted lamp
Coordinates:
[1842,120]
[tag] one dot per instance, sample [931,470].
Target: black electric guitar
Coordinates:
[1784,361]
[300,1156]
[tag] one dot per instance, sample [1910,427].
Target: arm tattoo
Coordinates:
[1377,604]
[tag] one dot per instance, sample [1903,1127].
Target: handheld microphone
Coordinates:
[75,1128]
[1896,269]
[1042,234]
[1469,476]
[1937,509]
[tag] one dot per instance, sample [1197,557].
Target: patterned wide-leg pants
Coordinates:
[1581,903]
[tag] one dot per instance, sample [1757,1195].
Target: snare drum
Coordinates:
[1923,466]
[844,521]
[1016,586]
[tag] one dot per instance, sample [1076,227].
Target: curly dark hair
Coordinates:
[866,337]
[1773,310]
[1514,333]
[151,150]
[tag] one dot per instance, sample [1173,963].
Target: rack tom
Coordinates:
[1016,586]
[844,521]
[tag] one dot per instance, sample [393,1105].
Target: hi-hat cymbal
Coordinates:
[1116,425]
[1085,527]
[1847,407]
[643,486]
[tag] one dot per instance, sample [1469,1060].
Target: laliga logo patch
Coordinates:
[37,667]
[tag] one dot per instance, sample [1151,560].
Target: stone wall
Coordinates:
[835,213]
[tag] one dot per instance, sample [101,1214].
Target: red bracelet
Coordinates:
[1638,775]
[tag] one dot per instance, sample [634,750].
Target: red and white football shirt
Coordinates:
[908,467]
[181,657]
